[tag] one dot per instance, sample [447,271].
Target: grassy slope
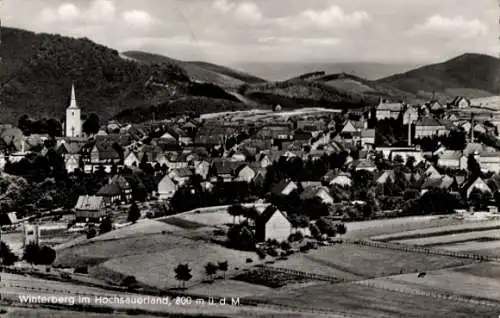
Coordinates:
[466,72]
[199,71]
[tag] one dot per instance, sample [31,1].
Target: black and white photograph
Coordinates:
[249,158]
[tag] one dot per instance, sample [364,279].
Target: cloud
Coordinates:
[295,40]
[331,17]
[101,10]
[248,11]
[137,18]
[223,6]
[64,13]
[454,27]
[68,11]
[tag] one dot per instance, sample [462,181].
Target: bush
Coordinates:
[296,237]
[82,270]
[261,253]
[249,260]
[272,252]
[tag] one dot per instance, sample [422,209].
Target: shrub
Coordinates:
[261,253]
[249,260]
[272,252]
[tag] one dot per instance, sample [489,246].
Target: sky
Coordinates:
[233,31]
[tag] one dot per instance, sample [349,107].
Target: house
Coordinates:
[443,182]
[478,184]
[316,192]
[435,105]
[175,160]
[283,187]
[368,138]
[460,102]
[410,115]
[131,160]
[90,208]
[489,161]
[428,127]
[333,177]
[452,159]
[386,151]
[407,153]
[9,218]
[202,168]
[166,188]
[281,131]
[431,173]
[386,110]
[364,164]
[181,175]
[311,125]
[238,156]
[103,152]
[223,170]
[245,174]
[124,185]
[272,224]
[111,193]
[387,175]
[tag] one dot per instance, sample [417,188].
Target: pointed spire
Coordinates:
[73,97]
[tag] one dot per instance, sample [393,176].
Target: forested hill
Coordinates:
[37,71]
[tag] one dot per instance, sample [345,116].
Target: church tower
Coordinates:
[73,123]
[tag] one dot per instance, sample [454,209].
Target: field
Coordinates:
[346,260]
[48,313]
[472,281]
[441,230]
[474,236]
[361,301]
[229,288]
[209,218]
[368,229]
[94,252]
[157,268]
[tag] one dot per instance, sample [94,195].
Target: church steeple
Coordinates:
[72,103]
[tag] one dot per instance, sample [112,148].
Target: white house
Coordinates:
[131,160]
[479,184]
[272,224]
[245,174]
[166,188]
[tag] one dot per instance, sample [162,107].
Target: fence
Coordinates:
[301,274]
[433,294]
[423,250]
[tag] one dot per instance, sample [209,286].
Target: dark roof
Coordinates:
[266,215]
[277,188]
[428,121]
[109,190]
[226,166]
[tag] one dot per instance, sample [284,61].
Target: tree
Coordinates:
[46,255]
[6,255]
[31,253]
[133,213]
[91,233]
[473,166]
[106,225]
[235,210]
[91,125]
[223,266]
[341,228]
[183,273]
[211,270]
[130,282]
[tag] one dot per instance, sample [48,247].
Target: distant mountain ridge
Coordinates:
[471,75]
[37,71]
[280,71]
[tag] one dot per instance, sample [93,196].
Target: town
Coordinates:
[274,182]
[247,158]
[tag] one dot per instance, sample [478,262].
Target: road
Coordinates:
[18,288]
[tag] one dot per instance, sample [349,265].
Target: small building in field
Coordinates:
[90,208]
[273,224]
